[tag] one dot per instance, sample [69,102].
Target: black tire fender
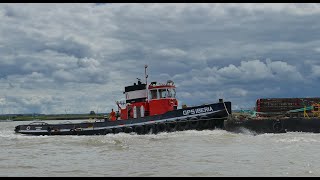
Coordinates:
[172,126]
[161,127]
[150,129]
[128,129]
[204,122]
[139,129]
[194,123]
[108,131]
[183,125]
[118,130]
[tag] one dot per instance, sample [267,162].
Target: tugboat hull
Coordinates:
[199,117]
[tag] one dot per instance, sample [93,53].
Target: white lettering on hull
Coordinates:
[197,111]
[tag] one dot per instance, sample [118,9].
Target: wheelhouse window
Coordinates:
[171,93]
[163,93]
[153,94]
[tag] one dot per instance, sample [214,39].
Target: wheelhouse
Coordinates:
[161,91]
[162,98]
[142,100]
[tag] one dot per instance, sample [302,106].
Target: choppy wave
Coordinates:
[181,153]
[297,139]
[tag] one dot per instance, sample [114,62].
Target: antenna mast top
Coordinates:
[146,76]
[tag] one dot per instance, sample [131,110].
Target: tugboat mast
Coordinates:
[146,76]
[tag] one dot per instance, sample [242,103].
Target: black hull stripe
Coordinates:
[126,125]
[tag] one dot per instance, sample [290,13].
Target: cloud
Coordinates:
[172,52]
[315,69]
[80,56]
[70,46]
[238,92]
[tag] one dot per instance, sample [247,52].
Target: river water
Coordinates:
[184,153]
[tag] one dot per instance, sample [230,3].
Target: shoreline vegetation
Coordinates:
[43,117]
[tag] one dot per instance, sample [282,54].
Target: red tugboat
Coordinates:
[147,109]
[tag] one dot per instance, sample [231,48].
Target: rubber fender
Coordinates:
[218,124]
[150,129]
[193,118]
[204,117]
[205,124]
[128,129]
[118,130]
[277,126]
[108,131]
[171,126]
[161,127]
[183,125]
[139,129]
[211,124]
[194,124]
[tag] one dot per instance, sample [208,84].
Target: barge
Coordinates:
[279,115]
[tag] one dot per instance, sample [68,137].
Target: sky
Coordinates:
[74,58]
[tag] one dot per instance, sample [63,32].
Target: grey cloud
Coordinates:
[67,51]
[71,47]
[315,70]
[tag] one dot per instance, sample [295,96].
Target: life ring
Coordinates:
[161,127]
[118,130]
[28,128]
[128,129]
[139,129]
[150,129]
